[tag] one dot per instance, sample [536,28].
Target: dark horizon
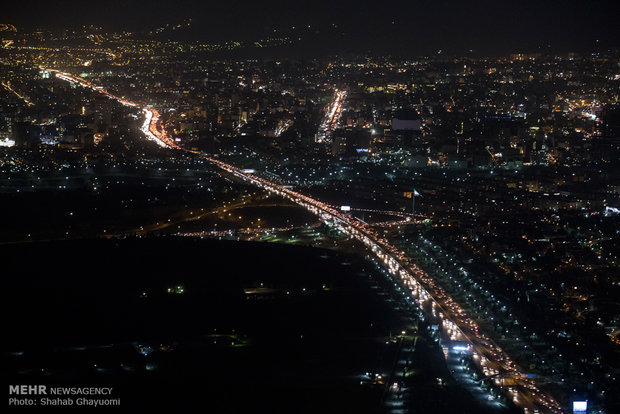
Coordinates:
[390,27]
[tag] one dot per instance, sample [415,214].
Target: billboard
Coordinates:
[580,406]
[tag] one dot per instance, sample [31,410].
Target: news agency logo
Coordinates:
[42,395]
[31,389]
[27,390]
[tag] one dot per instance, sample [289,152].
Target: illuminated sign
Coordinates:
[345,208]
[580,406]
[249,171]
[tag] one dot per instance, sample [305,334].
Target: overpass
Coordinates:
[453,320]
[419,286]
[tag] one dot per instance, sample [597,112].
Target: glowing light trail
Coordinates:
[418,284]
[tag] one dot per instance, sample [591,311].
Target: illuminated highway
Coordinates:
[281,128]
[151,127]
[331,117]
[455,323]
[452,320]
[22,97]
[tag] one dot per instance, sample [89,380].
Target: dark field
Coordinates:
[194,325]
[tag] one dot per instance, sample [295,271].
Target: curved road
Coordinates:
[453,321]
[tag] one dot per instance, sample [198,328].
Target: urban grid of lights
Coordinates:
[455,322]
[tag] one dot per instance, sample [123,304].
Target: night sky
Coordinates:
[390,26]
